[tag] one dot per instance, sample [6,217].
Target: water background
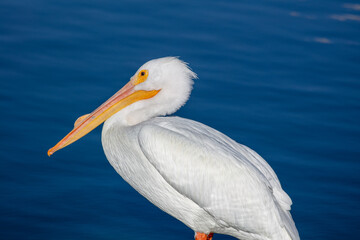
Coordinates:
[282,77]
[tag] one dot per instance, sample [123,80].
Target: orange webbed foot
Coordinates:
[203,236]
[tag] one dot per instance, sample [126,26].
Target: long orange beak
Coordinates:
[85,124]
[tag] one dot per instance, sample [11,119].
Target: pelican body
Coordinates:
[191,171]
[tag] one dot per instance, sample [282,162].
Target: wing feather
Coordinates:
[230,181]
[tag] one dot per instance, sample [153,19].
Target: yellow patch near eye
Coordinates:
[141,77]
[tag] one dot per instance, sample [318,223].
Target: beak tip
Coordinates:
[50,152]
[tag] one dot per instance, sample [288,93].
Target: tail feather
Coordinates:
[289,224]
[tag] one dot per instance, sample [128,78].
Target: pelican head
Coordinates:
[159,87]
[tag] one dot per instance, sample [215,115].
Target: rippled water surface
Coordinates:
[282,77]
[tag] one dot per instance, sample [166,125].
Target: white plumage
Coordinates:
[189,170]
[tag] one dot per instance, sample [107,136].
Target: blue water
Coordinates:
[282,77]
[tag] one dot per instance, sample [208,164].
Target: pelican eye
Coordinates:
[141,77]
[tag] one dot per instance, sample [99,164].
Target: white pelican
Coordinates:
[194,173]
